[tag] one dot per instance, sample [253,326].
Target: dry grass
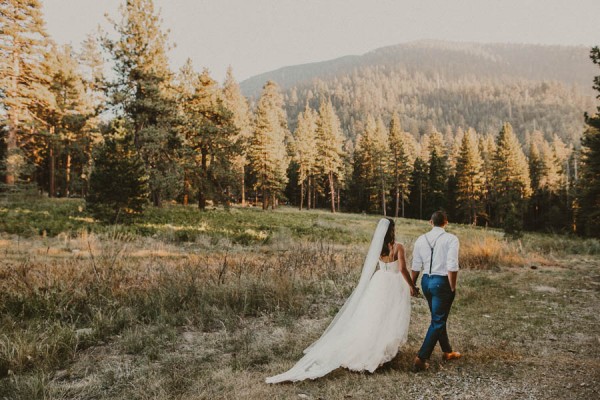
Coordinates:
[118,315]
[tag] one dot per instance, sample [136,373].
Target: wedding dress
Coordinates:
[369,328]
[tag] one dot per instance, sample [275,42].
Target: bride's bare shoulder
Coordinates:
[399,247]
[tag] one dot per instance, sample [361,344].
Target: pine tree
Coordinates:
[267,152]
[437,175]
[69,118]
[418,187]
[381,152]
[92,64]
[487,148]
[305,154]
[362,173]
[143,91]
[469,178]
[401,161]
[436,183]
[23,47]
[210,140]
[588,197]
[511,181]
[371,165]
[329,142]
[186,87]
[92,69]
[238,105]
[118,184]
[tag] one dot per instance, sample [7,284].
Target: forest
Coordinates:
[113,124]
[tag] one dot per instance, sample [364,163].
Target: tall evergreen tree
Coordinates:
[23,81]
[238,105]
[187,82]
[329,141]
[512,184]
[267,153]
[437,174]
[305,151]
[588,198]
[142,90]
[418,188]
[381,153]
[69,118]
[487,148]
[210,143]
[92,69]
[371,165]
[401,155]
[469,178]
[437,177]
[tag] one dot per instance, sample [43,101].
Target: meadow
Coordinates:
[185,304]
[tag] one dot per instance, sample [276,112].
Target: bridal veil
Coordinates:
[321,357]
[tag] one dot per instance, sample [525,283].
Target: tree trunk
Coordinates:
[201,197]
[201,189]
[68,174]
[314,194]
[11,138]
[421,199]
[338,198]
[243,187]
[156,198]
[265,201]
[397,201]
[52,188]
[272,201]
[383,205]
[186,188]
[309,196]
[332,191]
[403,204]
[11,147]
[301,194]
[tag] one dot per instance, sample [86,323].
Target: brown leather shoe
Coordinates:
[454,355]
[419,365]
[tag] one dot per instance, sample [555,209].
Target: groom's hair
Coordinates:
[439,218]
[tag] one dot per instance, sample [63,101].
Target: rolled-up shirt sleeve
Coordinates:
[417,261]
[452,260]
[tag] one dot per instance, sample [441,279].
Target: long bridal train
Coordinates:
[370,327]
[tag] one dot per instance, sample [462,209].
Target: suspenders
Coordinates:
[432,247]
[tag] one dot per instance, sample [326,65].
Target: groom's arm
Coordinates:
[452,275]
[414,275]
[417,262]
[453,262]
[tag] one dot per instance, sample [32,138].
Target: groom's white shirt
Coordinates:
[445,253]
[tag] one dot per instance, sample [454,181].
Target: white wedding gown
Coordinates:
[371,336]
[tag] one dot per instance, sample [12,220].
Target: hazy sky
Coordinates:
[255,36]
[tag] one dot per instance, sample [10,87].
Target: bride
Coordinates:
[372,324]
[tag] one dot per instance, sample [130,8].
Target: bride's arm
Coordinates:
[404,271]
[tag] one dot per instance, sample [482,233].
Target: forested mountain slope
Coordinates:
[448,85]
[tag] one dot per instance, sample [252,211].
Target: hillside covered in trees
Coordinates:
[448,84]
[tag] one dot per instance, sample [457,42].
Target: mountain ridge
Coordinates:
[504,59]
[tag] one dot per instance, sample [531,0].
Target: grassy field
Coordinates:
[204,305]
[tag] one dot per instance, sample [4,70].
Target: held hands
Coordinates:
[414,291]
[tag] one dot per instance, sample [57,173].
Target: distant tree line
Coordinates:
[146,135]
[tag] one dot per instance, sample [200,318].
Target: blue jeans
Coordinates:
[436,290]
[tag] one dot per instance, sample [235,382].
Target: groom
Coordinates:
[437,253]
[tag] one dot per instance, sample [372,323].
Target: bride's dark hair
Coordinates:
[389,238]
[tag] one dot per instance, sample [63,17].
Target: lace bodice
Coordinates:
[388,266]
